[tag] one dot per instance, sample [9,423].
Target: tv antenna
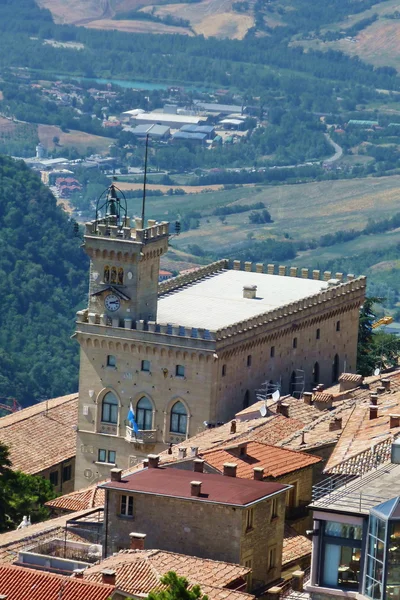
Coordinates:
[145,179]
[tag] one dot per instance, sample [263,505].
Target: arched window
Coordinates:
[178,418]
[335,368]
[106,277]
[120,276]
[113,275]
[315,373]
[109,409]
[144,414]
[246,400]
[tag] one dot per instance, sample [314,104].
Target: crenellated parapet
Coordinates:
[187,278]
[295,315]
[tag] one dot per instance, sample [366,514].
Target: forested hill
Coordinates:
[42,284]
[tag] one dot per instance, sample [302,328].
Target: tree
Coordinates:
[375,348]
[21,494]
[178,589]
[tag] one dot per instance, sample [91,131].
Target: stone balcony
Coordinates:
[145,436]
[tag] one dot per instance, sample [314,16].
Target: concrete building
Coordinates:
[196,347]
[161,132]
[220,517]
[170,120]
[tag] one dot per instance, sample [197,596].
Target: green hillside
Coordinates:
[42,284]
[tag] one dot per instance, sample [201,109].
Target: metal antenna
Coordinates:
[145,179]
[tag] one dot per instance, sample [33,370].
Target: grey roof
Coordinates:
[363,493]
[141,129]
[186,135]
[159,130]
[217,301]
[223,108]
[198,128]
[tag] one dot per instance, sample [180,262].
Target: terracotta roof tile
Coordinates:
[352,377]
[299,410]
[175,483]
[323,397]
[42,435]
[17,583]
[275,461]
[295,546]
[91,497]
[139,572]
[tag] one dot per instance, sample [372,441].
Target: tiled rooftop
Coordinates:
[91,497]
[175,483]
[42,435]
[298,409]
[275,461]
[18,583]
[361,433]
[139,571]
[295,546]
[217,301]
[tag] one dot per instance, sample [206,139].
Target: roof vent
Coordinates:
[153,461]
[116,474]
[394,421]
[195,488]
[230,469]
[181,453]
[250,291]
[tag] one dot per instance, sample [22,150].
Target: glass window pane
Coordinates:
[148,418]
[111,457]
[174,422]
[179,408]
[114,414]
[182,424]
[144,403]
[343,530]
[102,456]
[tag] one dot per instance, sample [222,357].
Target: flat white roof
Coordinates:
[217,301]
[156,117]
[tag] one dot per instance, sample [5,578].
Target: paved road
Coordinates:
[338,150]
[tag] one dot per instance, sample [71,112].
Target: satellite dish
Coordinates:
[276,395]
[263,410]
[377,371]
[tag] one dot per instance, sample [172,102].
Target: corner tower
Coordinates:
[124,262]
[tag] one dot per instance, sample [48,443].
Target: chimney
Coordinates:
[181,453]
[153,460]
[250,291]
[78,574]
[137,540]
[394,421]
[336,424]
[373,412]
[320,387]
[116,474]
[307,398]
[194,450]
[297,581]
[233,426]
[195,488]
[198,465]
[230,469]
[381,389]
[386,384]
[284,409]
[108,576]
[373,398]
[258,473]
[146,463]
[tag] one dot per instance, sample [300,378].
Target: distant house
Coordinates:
[164,275]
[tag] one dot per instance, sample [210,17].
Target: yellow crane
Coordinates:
[382,321]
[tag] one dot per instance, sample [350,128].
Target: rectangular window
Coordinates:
[102,457]
[223,370]
[249,360]
[295,342]
[337,325]
[54,478]
[341,555]
[274,508]
[318,334]
[180,371]
[112,457]
[126,509]
[107,456]
[67,473]
[249,519]
[146,365]
[272,353]
[272,558]
[111,361]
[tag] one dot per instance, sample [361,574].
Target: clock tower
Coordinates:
[124,262]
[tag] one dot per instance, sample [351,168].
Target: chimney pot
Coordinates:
[78,574]
[250,291]
[195,488]
[194,450]
[233,426]
[258,473]
[181,453]
[108,576]
[381,389]
[320,387]
[116,474]
[298,581]
[307,397]
[230,469]
[146,463]
[137,540]
[284,409]
[154,459]
[373,412]
[198,465]
[394,421]
[335,424]
[386,384]
[373,398]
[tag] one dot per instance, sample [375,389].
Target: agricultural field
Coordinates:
[17,139]
[73,139]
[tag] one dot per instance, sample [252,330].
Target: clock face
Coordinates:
[112,302]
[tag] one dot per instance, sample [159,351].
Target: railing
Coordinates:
[329,485]
[287,589]
[144,436]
